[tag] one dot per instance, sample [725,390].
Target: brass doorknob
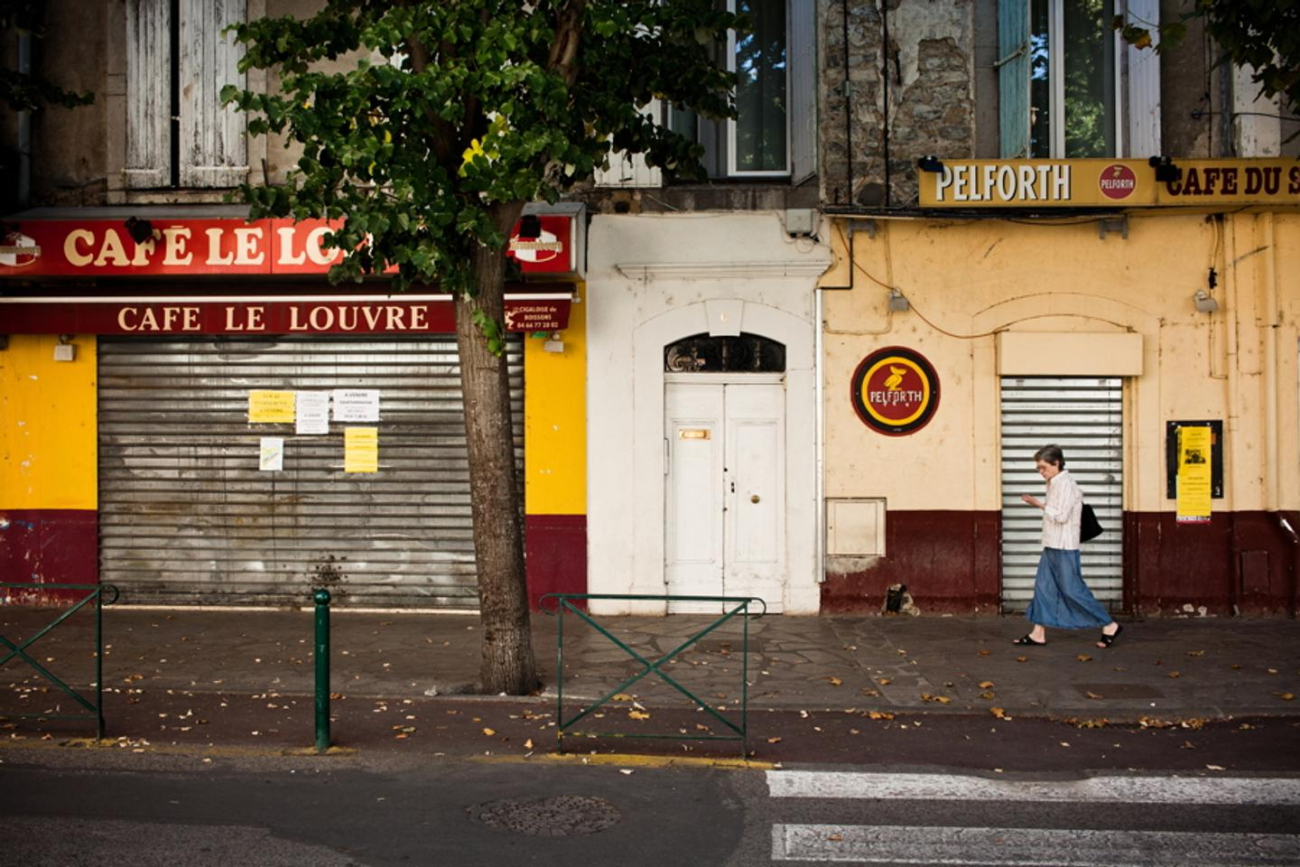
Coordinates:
[754,499]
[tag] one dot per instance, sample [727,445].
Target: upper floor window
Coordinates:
[773,134]
[178,134]
[1069,88]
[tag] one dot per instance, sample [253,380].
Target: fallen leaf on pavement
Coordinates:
[883,681]
[636,714]
[834,681]
[1272,671]
[528,744]
[985,652]
[1065,743]
[1286,696]
[870,692]
[999,713]
[1022,659]
[489,732]
[1083,657]
[1188,745]
[1175,674]
[988,695]
[1093,695]
[1196,653]
[627,772]
[774,740]
[620,696]
[1215,767]
[987,684]
[877,714]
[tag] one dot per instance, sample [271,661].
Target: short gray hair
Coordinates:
[1051,455]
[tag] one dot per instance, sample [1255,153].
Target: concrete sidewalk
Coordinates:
[1163,669]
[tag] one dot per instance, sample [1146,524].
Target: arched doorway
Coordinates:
[724,495]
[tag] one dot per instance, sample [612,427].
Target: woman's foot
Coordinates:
[1028,641]
[1109,634]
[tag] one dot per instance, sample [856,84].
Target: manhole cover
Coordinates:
[559,816]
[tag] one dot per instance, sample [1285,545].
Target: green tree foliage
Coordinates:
[1262,34]
[456,106]
[426,126]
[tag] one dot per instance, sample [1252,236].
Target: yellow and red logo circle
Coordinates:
[1117,181]
[895,391]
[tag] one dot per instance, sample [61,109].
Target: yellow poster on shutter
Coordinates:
[1194,485]
[361,450]
[271,407]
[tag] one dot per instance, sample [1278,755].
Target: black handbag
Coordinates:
[1089,527]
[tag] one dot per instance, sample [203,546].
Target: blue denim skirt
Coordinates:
[1061,599]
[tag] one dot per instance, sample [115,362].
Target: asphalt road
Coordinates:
[61,806]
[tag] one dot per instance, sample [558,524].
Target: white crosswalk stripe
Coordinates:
[980,844]
[946,787]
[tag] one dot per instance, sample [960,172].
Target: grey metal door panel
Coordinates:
[186,515]
[1084,416]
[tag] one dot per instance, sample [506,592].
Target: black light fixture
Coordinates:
[1166,171]
[139,230]
[530,226]
[930,164]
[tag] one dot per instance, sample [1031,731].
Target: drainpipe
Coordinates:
[819,449]
[848,107]
[24,126]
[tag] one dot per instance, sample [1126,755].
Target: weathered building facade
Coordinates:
[804,379]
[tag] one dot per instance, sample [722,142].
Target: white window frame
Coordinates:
[732,171]
[1056,75]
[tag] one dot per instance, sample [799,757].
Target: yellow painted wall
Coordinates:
[555,420]
[48,450]
[973,278]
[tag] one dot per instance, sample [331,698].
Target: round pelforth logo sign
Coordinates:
[895,391]
[1117,181]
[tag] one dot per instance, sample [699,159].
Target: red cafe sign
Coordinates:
[235,315]
[104,248]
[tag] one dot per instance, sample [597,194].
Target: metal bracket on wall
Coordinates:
[1113,224]
[868,226]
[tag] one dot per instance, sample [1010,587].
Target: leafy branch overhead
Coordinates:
[417,118]
[25,91]
[1261,34]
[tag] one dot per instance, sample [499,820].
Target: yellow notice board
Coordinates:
[271,407]
[361,450]
[1194,474]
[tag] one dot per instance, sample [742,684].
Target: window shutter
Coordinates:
[802,31]
[1143,85]
[1013,77]
[213,148]
[148,93]
[630,170]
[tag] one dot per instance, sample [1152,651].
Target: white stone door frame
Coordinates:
[802,593]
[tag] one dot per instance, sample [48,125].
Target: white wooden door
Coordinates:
[725,492]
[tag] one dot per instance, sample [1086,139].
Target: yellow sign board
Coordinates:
[1194,476]
[361,450]
[271,407]
[1102,183]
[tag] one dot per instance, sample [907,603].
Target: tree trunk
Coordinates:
[507,665]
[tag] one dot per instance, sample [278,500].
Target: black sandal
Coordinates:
[1108,640]
[1026,641]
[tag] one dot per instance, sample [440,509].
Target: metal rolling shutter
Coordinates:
[187,517]
[1085,418]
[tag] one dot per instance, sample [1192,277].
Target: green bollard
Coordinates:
[322,598]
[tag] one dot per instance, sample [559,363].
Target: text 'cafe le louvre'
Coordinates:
[62,263]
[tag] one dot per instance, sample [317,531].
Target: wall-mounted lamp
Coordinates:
[1166,171]
[898,301]
[139,230]
[555,343]
[1204,303]
[930,164]
[64,350]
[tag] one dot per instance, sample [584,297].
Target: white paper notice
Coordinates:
[272,457]
[313,412]
[356,404]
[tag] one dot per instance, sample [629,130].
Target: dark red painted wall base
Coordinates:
[950,562]
[44,547]
[1240,563]
[556,549]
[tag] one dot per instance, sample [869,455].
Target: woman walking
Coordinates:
[1061,599]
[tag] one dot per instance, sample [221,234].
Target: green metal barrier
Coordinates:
[95,594]
[564,602]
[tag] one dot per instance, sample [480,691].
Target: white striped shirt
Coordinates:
[1063,510]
